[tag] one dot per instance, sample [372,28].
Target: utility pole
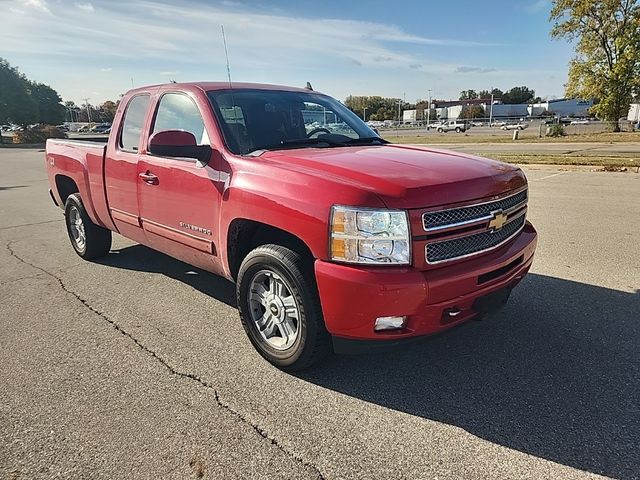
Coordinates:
[491,109]
[429,110]
[86,102]
[364,114]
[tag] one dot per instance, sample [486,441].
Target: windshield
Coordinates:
[253,120]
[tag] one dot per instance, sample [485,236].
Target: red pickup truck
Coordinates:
[336,239]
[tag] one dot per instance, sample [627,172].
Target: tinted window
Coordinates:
[271,119]
[178,112]
[134,122]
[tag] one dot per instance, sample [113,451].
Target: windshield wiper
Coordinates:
[366,141]
[324,140]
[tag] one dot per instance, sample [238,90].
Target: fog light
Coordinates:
[389,323]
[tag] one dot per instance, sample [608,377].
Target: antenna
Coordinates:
[226,53]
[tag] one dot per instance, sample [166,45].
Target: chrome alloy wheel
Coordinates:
[77,228]
[274,309]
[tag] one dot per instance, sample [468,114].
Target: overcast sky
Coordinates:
[94,48]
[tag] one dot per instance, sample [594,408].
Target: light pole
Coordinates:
[429,110]
[86,102]
[364,115]
[491,110]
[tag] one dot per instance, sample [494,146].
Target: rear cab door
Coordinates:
[121,163]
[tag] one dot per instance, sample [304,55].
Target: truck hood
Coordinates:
[405,176]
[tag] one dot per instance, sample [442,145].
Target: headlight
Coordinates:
[370,236]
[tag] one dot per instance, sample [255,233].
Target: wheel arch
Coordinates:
[244,235]
[65,186]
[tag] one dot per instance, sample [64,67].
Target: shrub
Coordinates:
[38,134]
[556,130]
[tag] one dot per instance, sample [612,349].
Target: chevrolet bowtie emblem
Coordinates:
[498,221]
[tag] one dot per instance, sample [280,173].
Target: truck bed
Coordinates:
[82,161]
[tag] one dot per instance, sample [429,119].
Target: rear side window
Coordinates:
[133,123]
[177,111]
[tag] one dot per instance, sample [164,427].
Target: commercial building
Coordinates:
[563,107]
[451,109]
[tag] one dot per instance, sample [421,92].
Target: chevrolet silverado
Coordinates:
[336,239]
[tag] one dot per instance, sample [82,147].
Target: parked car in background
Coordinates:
[83,129]
[452,126]
[62,128]
[476,123]
[499,123]
[101,128]
[580,121]
[514,126]
[435,124]
[335,241]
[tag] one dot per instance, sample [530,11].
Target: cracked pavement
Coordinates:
[138,367]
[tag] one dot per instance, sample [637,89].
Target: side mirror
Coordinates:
[179,144]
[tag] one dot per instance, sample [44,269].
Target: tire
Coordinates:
[262,309]
[440,130]
[458,130]
[87,239]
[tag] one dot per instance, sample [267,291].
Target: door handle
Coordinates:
[149,178]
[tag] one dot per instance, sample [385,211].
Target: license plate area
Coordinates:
[492,302]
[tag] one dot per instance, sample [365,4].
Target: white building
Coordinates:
[564,107]
[409,116]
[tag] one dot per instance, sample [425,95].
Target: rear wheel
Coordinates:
[440,130]
[87,239]
[458,130]
[280,308]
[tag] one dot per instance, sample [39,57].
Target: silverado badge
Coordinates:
[195,228]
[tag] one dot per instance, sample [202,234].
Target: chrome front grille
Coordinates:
[463,246]
[464,231]
[433,220]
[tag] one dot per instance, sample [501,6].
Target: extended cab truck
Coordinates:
[334,240]
[452,126]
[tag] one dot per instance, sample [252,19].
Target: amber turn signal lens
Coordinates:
[338,248]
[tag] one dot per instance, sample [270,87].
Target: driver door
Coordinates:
[178,199]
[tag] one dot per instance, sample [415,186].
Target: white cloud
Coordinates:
[87,7]
[151,40]
[40,5]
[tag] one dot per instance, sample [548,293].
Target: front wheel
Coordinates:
[280,308]
[458,130]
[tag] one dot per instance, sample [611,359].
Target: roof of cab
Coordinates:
[208,86]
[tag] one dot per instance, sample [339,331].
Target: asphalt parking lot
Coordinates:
[138,367]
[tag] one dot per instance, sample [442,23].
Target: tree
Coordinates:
[50,110]
[108,110]
[24,102]
[468,95]
[518,95]
[378,108]
[472,111]
[606,66]
[16,104]
[496,92]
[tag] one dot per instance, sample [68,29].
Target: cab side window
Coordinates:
[134,123]
[177,111]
